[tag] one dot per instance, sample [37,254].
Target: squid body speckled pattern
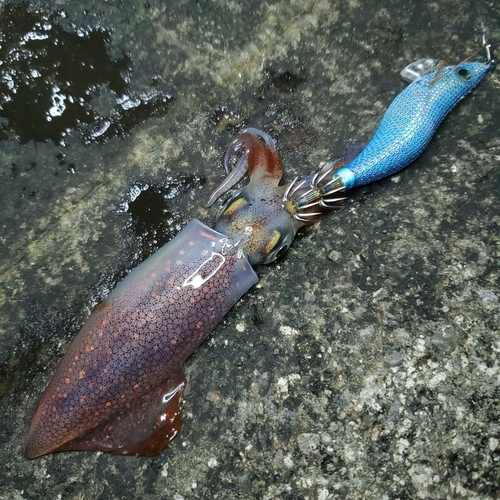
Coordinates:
[119,387]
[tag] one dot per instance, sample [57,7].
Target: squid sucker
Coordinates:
[119,387]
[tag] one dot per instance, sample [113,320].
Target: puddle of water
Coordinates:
[154,220]
[51,80]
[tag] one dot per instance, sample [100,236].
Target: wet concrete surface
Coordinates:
[365,364]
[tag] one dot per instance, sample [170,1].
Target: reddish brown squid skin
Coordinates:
[119,387]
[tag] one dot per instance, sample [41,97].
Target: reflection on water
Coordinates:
[153,219]
[53,80]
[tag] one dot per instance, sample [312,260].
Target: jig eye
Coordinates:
[464,74]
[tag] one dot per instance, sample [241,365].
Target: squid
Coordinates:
[120,385]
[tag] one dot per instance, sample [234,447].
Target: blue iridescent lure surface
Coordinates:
[410,122]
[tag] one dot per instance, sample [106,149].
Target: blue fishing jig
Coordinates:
[404,132]
[410,122]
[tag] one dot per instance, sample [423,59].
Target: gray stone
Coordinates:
[396,358]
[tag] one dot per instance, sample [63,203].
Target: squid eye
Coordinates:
[282,251]
[233,205]
[278,245]
[278,251]
[464,74]
[274,241]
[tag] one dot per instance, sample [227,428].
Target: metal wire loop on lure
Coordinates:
[440,74]
[486,45]
[314,192]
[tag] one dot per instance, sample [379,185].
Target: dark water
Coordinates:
[54,81]
[153,220]
[113,122]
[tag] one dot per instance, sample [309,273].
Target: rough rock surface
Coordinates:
[366,363]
